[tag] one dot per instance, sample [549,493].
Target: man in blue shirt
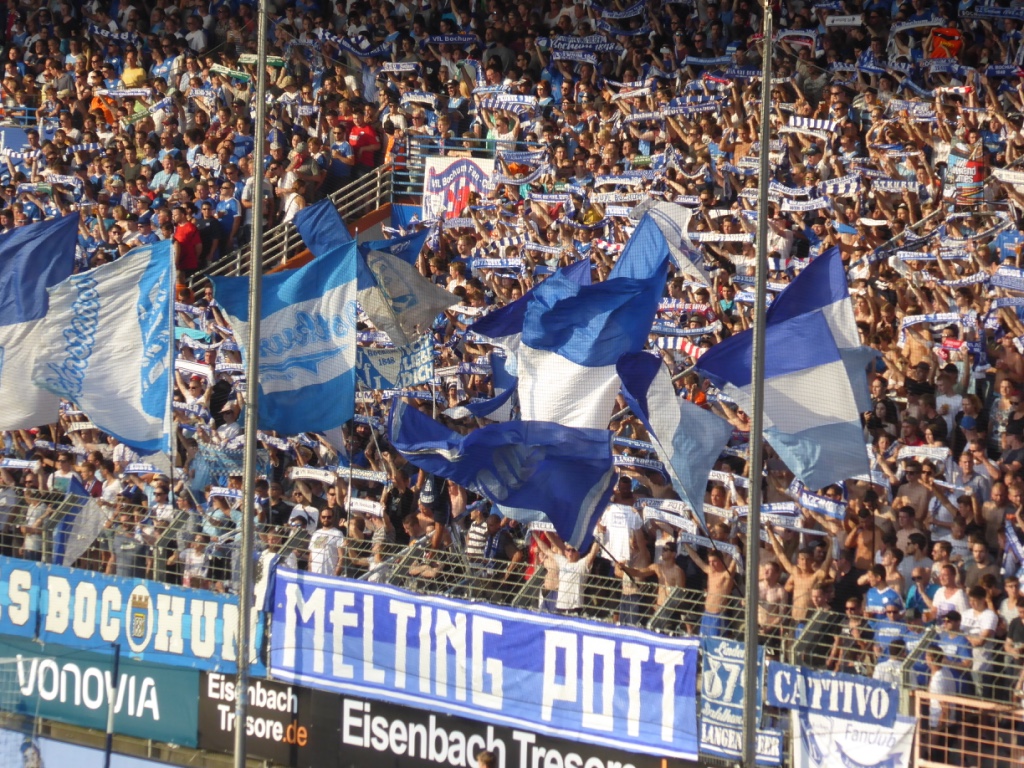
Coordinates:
[880,595]
[958,651]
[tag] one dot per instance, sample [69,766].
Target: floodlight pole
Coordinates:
[751,593]
[251,391]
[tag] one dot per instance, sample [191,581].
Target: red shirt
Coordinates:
[189,245]
[360,137]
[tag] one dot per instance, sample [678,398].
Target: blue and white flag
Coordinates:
[673,221]
[405,247]
[562,473]
[822,287]
[321,228]
[32,259]
[307,341]
[107,342]
[572,338]
[79,527]
[810,413]
[397,298]
[687,438]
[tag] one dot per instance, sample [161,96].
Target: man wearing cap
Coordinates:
[230,428]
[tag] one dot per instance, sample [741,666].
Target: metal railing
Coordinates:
[282,242]
[956,731]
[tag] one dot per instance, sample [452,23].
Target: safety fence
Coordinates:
[957,731]
[282,242]
[44,526]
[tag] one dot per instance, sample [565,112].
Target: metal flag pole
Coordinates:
[751,669]
[251,390]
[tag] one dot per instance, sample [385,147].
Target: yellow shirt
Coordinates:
[134,77]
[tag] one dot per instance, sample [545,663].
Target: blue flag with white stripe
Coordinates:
[307,341]
[562,473]
[107,342]
[62,534]
[32,258]
[687,438]
[822,287]
[572,338]
[810,412]
[321,227]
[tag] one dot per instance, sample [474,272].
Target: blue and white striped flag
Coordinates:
[687,438]
[32,259]
[106,346]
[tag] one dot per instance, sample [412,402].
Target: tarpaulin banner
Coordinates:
[614,687]
[152,622]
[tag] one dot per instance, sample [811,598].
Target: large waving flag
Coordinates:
[672,221]
[572,338]
[80,526]
[321,227]
[107,342]
[307,340]
[32,259]
[822,287]
[497,408]
[810,412]
[504,327]
[687,438]
[397,298]
[563,473]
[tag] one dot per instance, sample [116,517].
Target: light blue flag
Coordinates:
[107,346]
[810,413]
[687,438]
[62,533]
[397,298]
[321,228]
[572,338]
[32,259]
[822,287]
[406,247]
[307,341]
[565,474]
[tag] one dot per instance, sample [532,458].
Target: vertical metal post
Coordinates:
[112,705]
[751,669]
[251,391]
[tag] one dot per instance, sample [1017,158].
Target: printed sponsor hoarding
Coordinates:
[70,686]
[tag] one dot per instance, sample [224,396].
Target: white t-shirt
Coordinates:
[943,605]
[325,551]
[620,521]
[972,624]
[570,583]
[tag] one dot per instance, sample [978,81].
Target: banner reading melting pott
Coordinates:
[575,679]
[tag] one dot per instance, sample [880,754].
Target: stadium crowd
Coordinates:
[896,128]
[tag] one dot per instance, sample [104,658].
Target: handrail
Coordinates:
[282,242]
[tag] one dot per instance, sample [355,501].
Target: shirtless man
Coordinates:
[803,576]
[668,574]
[721,583]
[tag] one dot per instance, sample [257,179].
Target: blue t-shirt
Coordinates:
[879,598]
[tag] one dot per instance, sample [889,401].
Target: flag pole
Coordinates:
[251,391]
[751,594]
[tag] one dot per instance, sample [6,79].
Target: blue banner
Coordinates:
[398,367]
[153,622]
[575,679]
[721,704]
[848,697]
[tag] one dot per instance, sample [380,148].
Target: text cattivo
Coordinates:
[433,742]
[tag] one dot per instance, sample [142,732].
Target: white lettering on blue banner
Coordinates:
[614,687]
